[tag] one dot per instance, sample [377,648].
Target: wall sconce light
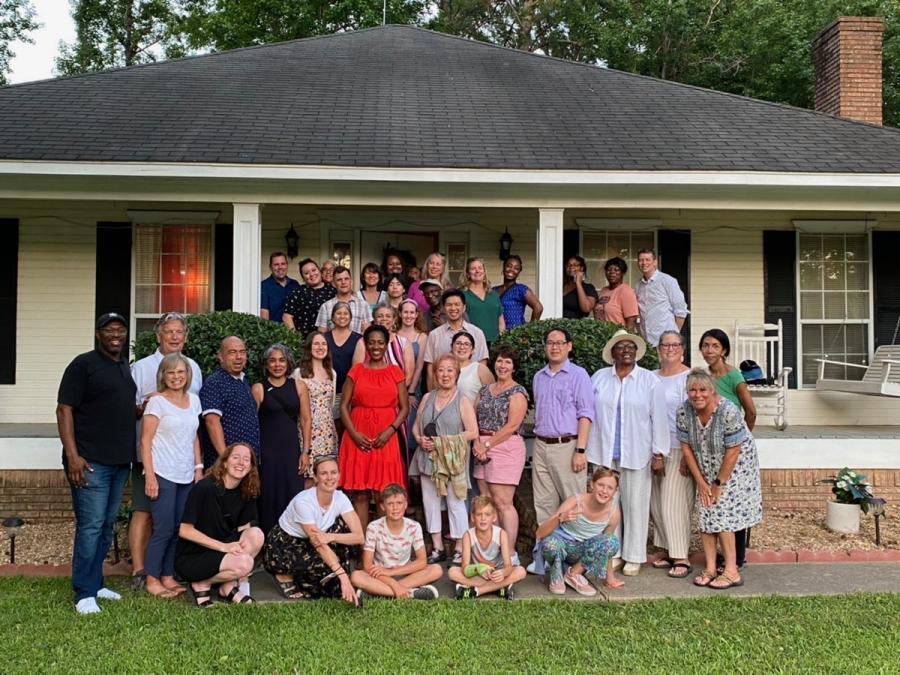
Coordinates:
[292,241]
[506,242]
[12,527]
[876,508]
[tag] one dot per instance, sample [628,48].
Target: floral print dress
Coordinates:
[324,439]
[740,502]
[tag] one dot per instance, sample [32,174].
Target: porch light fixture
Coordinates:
[506,242]
[12,527]
[876,508]
[292,241]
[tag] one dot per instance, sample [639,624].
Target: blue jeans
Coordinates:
[166,511]
[96,506]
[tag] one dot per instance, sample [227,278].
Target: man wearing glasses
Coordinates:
[563,413]
[95,418]
[171,334]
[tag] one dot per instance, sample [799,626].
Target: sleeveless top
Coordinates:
[489,555]
[582,528]
[493,411]
[448,421]
[342,357]
[513,301]
[469,383]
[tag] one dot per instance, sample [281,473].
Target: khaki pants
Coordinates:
[552,478]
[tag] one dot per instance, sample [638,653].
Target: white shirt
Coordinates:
[645,431]
[660,300]
[143,372]
[675,389]
[172,446]
[304,509]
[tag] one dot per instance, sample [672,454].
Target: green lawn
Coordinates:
[39,631]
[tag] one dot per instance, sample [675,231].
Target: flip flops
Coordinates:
[679,570]
[729,582]
[662,564]
[704,578]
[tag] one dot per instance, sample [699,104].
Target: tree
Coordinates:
[114,33]
[16,20]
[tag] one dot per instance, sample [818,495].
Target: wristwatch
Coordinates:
[580,451]
[716,481]
[487,445]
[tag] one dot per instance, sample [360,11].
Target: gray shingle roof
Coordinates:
[406,97]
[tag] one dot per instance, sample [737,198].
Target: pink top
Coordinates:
[616,304]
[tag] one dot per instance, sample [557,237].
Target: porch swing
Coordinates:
[881,377]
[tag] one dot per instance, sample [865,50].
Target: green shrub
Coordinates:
[206,332]
[588,338]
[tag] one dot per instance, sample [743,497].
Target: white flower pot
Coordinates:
[842,518]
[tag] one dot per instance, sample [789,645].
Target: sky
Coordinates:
[35,61]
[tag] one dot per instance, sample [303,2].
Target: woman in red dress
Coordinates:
[374,405]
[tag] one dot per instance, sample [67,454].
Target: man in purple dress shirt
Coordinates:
[563,412]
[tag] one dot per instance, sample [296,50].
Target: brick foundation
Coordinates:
[797,488]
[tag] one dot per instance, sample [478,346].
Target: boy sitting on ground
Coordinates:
[486,566]
[388,567]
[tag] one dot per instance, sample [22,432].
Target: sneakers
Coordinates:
[362,595]
[437,555]
[531,568]
[428,592]
[465,592]
[617,563]
[457,558]
[506,593]
[557,587]
[580,584]
[87,606]
[107,594]
[631,569]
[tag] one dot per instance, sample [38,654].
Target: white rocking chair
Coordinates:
[763,343]
[882,376]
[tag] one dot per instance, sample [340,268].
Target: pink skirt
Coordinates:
[507,462]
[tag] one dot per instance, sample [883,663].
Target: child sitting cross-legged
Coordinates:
[486,566]
[389,568]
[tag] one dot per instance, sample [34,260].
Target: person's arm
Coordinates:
[467,415]
[354,537]
[288,320]
[614,520]
[77,467]
[429,376]
[585,302]
[703,489]
[502,322]
[420,363]
[419,562]
[148,431]
[676,301]
[263,313]
[746,399]
[466,550]
[729,461]
[305,426]
[631,322]
[361,441]
[190,533]
[562,515]
[402,412]
[257,392]
[359,353]
[579,459]
[630,307]
[507,568]
[536,307]
[409,364]
[485,376]
[198,459]
[213,423]
[322,319]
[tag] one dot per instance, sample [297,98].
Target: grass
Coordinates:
[39,631]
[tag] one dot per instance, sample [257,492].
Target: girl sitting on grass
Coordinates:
[389,569]
[581,533]
[486,566]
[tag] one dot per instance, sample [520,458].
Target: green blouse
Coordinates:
[727,386]
[485,313]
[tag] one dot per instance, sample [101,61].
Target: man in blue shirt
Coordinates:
[274,289]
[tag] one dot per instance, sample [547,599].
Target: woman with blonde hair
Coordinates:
[483,305]
[434,269]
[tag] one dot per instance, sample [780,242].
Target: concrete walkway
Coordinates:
[651,584]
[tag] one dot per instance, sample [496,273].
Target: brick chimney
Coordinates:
[847,57]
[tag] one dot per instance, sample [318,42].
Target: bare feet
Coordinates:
[157,589]
[612,581]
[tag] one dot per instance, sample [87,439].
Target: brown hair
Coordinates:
[306,357]
[605,472]
[249,484]
[419,325]
[393,490]
[483,502]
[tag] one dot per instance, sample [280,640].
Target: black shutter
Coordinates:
[113,277]
[571,246]
[675,259]
[886,281]
[224,261]
[9,279]
[779,261]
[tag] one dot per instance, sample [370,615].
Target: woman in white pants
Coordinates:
[672,497]
[445,413]
[631,436]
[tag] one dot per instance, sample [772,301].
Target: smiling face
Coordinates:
[376,345]
[395,289]
[233,355]
[475,272]
[432,295]
[409,312]
[613,275]
[556,347]
[647,264]
[311,274]
[171,337]
[701,396]
[239,462]
[370,277]
[394,265]
[624,353]
[454,308]
[671,349]
[327,476]
[462,349]
[175,378]
[279,267]
[384,317]
[446,373]
[434,267]
[277,364]
[604,489]
[503,368]
[327,271]
[113,338]
[319,347]
[341,317]
[512,268]
[343,283]
[712,350]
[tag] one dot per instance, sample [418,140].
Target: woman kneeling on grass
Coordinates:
[388,567]
[582,534]
[310,549]
[218,541]
[486,566]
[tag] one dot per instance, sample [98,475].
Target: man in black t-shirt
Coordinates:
[95,416]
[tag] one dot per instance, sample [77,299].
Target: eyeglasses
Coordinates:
[670,345]
[463,343]
[556,343]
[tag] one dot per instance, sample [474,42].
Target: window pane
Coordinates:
[810,247]
[856,337]
[832,340]
[145,300]
[594,245]
[857,305]
[810,276]
[196,299]
[811,305]
[172,299]
[858,276]
[812,339]
[857,246]
[810,368]
[618,245]
[833,248]
[835,307]
[834,276]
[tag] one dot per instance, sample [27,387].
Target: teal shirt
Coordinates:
[485,313]
[727,386]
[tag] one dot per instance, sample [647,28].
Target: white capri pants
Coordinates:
[456,509]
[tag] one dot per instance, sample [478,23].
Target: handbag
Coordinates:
[430,429]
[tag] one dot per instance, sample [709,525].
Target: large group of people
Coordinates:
[400,399]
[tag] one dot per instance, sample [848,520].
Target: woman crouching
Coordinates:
[310,549]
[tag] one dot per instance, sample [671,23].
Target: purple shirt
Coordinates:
[560,400]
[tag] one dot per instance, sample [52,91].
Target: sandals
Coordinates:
[662,563]
[679,570]
[704,578]
[232,597]
[289,590]
[437,555]
[729,582]
[202,599]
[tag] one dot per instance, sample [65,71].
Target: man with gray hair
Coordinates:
[171,334]
[229,410]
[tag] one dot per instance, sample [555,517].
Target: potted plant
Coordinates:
[851,495]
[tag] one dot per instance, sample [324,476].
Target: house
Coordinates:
[165,186]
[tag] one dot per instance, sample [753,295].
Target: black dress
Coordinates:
[279,450]
[218,513]
[571,309]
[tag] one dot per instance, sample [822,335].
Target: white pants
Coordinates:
[456,509]
[634,498]
[670,507]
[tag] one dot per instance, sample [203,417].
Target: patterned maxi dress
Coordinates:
[324,435]
[740,503]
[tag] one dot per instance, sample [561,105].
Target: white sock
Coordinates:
[244,587]
[106,594]
[87,606]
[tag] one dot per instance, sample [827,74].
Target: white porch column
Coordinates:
[246,258]
[549,261]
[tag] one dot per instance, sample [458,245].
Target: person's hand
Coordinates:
[683,468]
[325,538]
[400,591]
[658,466]
[570,514]
[362,442]
[413,402]
[578,277]
[198,475]
[579,462]
[382,438]
[427,443]
[479,450]
[77,471]
[151,487]
[315,538]
[234,548]
[486,575]
[496,576]
[705,494]
[376,571]
[348,593]
[304,463]
[716,491]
